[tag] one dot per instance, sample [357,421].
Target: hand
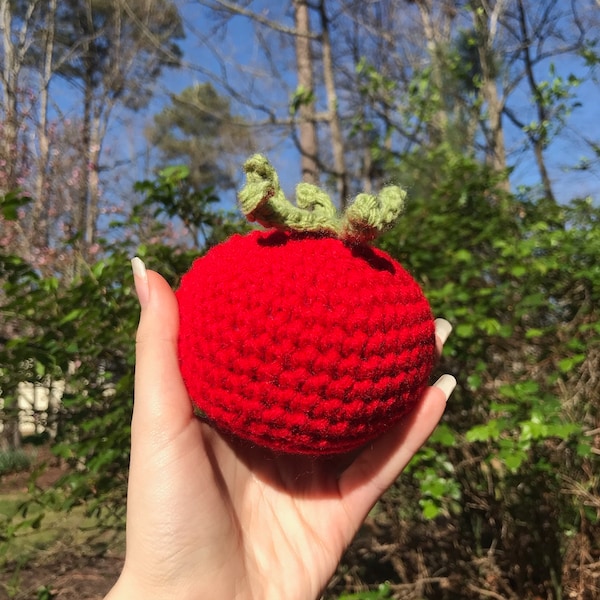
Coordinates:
[206,521]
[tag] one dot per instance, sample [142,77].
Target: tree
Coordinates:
[449,99]
[339,171]
[104,49]
[198,130]
[82,332]
[304,100]
[316,134]
[16,39]
[119,49]
[112,52]
[486,19]
[538,36]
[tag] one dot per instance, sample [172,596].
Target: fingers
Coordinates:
[161,405]
[442,330]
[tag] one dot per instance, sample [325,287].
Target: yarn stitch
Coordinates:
[303,338]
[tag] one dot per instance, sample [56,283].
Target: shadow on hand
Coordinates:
[301,476]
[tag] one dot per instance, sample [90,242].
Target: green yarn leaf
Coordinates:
[262,200]
[370,215]
[311,197]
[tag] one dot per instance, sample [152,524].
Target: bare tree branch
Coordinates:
[237,9]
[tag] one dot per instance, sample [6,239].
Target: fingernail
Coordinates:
[140,278]
[446,383]
[443,329]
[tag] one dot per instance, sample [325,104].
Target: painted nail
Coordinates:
[446,383]
[140,278]
[443,329]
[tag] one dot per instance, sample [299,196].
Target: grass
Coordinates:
[41,542]
[14,461]
[33,534]
[36,531]
[38,538]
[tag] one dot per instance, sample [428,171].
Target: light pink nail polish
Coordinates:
[140,278]
[443,329]
[446,383]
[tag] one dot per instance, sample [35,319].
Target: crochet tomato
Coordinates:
[303,338]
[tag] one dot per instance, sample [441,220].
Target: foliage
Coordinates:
[172,194]
[122,49]
[382,592]
[13,461]
[522,291]
[83,332]
[301,97]
[45,593]
[520,285]
[10,204]
[198,129]
[505,499]
[80,333]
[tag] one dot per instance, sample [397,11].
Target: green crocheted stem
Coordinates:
[262,200]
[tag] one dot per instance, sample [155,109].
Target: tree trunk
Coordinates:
[39,225]
[93,181]
[537,139]
[10,73]
[496,150]
[304,65]
[10,437]
[84,182]
[485,24]
[337,141]
[434,33]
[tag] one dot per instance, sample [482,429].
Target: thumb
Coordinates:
[161,404]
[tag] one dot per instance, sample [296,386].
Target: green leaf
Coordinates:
[429,508]
[533,333]
[563,431]
[383,592]
[490,326]
[98,269]
[584,449]
[174,173]
[463,255]
[10,204]
[474,381]
[443,435]
[531,430]
[512,458]
[568,364]
[464,330]
[40,369]
[71,316]
[301,97]
[483,432]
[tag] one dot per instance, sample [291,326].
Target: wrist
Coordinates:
[126,588]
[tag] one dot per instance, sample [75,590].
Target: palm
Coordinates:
[284,518]
[207,518]
[261,521]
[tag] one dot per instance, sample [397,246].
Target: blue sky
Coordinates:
[562,154]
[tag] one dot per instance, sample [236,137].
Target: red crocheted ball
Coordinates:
[301,343]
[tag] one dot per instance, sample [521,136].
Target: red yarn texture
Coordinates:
[302,344]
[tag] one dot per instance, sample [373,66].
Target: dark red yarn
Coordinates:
[303,344]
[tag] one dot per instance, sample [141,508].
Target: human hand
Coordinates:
[210,519]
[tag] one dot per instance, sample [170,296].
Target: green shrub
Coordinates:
[14,461]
